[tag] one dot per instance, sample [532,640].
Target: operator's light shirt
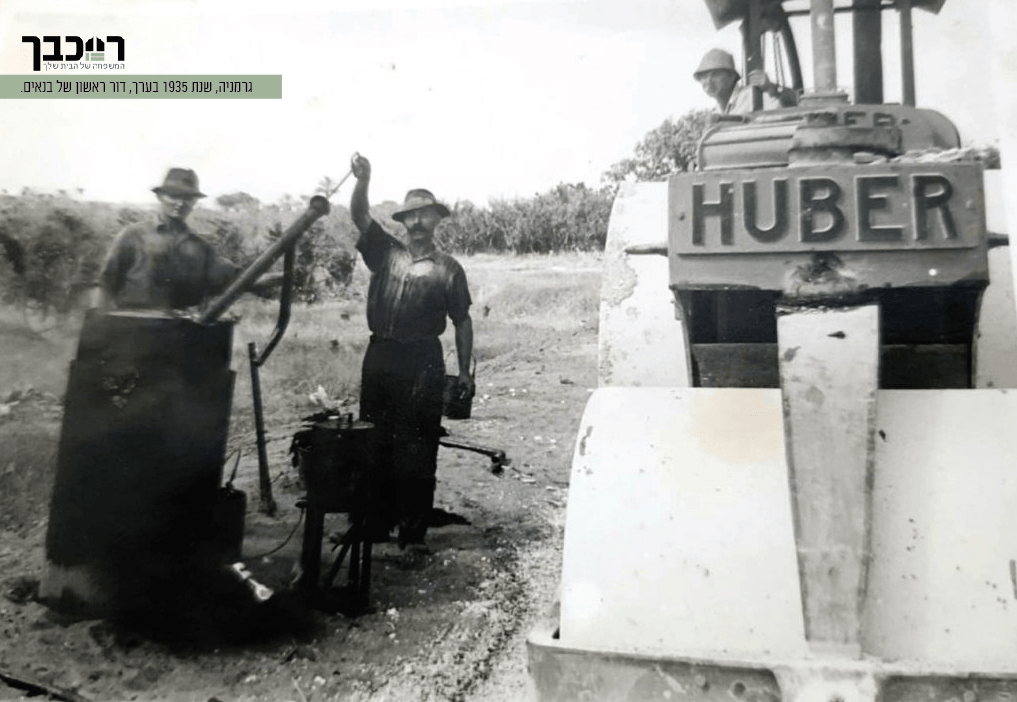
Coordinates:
[163,264]
[408,299]
[740,102]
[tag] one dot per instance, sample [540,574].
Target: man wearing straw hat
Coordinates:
[414,288]
[162,263]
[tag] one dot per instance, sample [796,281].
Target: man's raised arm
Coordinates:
[360,209]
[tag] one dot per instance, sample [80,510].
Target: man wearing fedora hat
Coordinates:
[162,263]
[720,80]
[414,289]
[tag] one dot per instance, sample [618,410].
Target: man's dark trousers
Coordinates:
[401,394]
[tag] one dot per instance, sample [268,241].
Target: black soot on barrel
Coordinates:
[140,461]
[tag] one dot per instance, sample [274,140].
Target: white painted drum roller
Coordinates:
[640,341]
[678,510]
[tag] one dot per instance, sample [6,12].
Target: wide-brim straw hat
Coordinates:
[418,199]
[180,182]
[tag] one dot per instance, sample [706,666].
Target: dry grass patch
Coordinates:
[523,305]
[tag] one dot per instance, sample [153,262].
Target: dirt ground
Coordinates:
[449,625]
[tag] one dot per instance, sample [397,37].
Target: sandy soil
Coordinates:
[448,626]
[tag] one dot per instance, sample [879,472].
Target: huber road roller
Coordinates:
[797,479]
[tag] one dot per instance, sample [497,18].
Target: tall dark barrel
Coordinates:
[140,460]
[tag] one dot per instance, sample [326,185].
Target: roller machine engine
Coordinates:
[795,480]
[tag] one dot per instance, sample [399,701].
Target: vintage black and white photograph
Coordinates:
[508,351]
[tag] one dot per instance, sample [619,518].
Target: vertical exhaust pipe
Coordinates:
[824,46]
[867,29]
[907,53]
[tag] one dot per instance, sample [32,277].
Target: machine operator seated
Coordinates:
[722,82]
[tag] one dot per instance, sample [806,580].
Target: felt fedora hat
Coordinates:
[418,199]
[180,182]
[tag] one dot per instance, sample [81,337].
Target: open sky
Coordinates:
[476,100]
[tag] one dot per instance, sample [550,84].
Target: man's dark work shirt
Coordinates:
[163,264]
[407,299]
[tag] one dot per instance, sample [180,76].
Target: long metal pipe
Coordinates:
[317,207]
[267,502]
[285,304]
[752,48]
[907,53]
[791,47]
[824,46]
[498,458]
[257,360]
[867,23]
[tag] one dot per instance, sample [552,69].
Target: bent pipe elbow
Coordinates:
[317,208]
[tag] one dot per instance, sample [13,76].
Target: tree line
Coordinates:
[51,246]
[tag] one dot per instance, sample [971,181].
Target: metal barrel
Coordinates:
[337,462]
[316,208]
[139,466]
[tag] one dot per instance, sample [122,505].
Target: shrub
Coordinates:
[569,217]
[60,243]
[52,246]
[324,259]
[667,149]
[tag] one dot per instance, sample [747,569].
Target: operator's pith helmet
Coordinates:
[716,60]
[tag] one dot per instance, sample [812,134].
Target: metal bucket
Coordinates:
[457,404]
[336,460]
